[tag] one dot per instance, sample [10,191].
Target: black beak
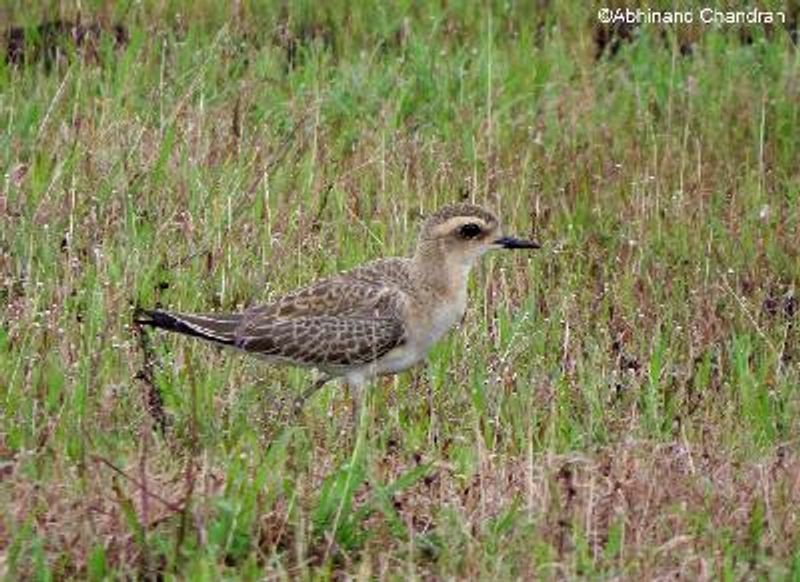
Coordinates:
[509,242]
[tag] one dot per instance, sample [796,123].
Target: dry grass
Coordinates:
[621,405]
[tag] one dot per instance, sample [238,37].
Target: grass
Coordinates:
[621,404]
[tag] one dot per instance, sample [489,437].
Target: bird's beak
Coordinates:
[509,242]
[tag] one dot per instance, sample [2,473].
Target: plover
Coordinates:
[379,318]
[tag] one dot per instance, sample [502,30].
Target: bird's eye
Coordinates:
[470,230]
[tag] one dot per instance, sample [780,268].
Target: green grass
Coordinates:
[620,404]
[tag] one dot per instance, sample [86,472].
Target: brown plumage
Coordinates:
[378,318]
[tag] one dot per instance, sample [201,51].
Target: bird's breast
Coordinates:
[424,327]
[432,324]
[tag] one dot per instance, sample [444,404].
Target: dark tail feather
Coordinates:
[218,327]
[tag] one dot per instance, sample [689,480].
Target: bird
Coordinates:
[379,318]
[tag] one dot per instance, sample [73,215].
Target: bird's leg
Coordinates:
[297,407]
[357,413]
[432,419]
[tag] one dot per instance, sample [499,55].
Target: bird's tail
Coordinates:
[219,328]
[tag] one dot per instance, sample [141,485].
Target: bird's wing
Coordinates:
[361,292]
[348,319]
[342,321]
[323,340]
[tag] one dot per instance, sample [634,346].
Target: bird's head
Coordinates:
[461,233]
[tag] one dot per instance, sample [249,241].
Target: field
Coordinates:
[621,404]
